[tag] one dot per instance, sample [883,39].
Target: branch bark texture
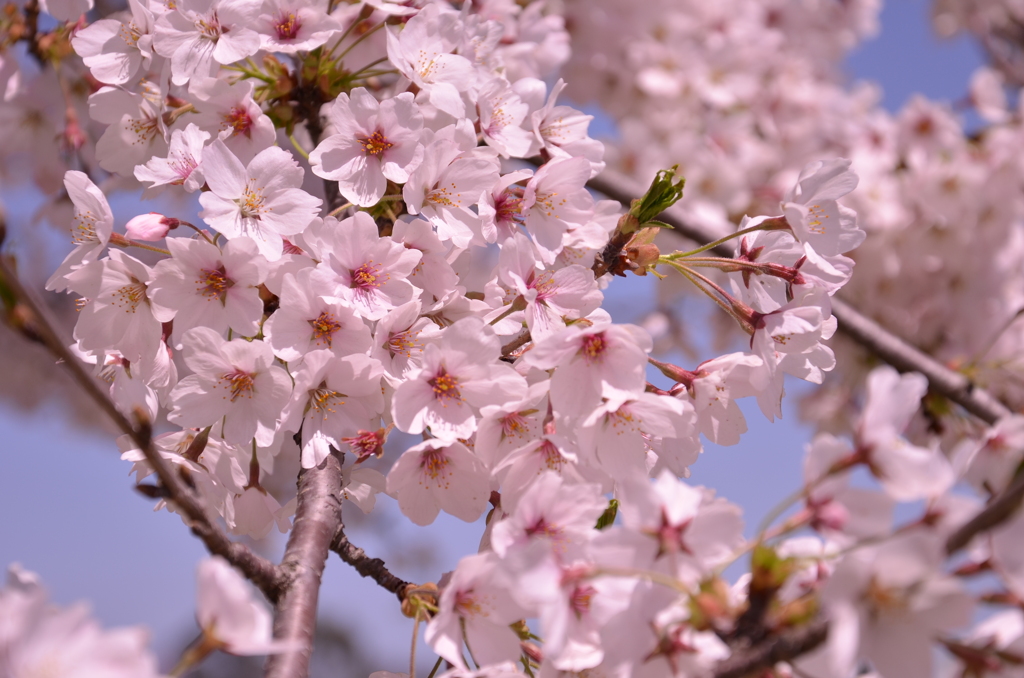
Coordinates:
[367,566]
[317,520]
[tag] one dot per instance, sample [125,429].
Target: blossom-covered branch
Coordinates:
[36,326]
[955,386]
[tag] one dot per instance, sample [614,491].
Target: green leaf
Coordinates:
[665,191]
[608,517]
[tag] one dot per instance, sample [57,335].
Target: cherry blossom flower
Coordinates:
[570,292]
[555,201]
[399,340]
[229,111]
[135,131]
[813,213]
[333,398]
[460,374]
[561,515]
[306,321]
[445,187]
[437,476]
[203,285]
[38,638]
[197,36]
[602,361]
[422,52]
[119,314]
[907,472]
[368,272]
[183,164]
[91,229]
[288,26]
[230,617]
[372,143]
[263,200]
[116,51]
[477,604]
[887,602]
[234,380]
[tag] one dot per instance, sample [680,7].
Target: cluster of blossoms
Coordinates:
[376,256]
[744,93]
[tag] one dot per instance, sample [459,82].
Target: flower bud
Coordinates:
[152,226]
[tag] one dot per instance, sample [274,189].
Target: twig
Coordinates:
[317,518]
[367,566]
[517,342]
[866,332]
[785,646]
[259,570]
[995,513]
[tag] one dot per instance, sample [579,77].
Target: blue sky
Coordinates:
[73,518]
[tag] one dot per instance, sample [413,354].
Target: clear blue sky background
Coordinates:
[71,516]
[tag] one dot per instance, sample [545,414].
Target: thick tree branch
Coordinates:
[866,332]
[994,514]
[317,519]
[35,325]
[785,646]
[367,566]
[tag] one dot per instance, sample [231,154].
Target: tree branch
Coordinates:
[37,327]
[787,645]
[366,566]
[866,332]
[317,521]
[995,513]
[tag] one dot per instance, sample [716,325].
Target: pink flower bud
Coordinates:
[152,226]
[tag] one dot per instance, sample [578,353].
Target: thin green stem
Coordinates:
[720,241]
[369,66]
[695,278]
[295,143]
[358,40]
[412,652]
[335,212]
[151,248]
[656,577]
[437,665]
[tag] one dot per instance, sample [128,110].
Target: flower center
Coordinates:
[442,196]
[324,326]
[183,166]
[467,603]
[130,34]
[323,398]
[239,120]
[366,276]
[367,444]
[553,459]
[214,283]
[446,387]
[251,202]
[240,383]
[508,208]
[144,128]
[403,343]
[579,601]
[376,144]
[435,464]
[287,26]
[130,296]
[815,215]
[513,424]
[209,27]
[84,229]
[593,347]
